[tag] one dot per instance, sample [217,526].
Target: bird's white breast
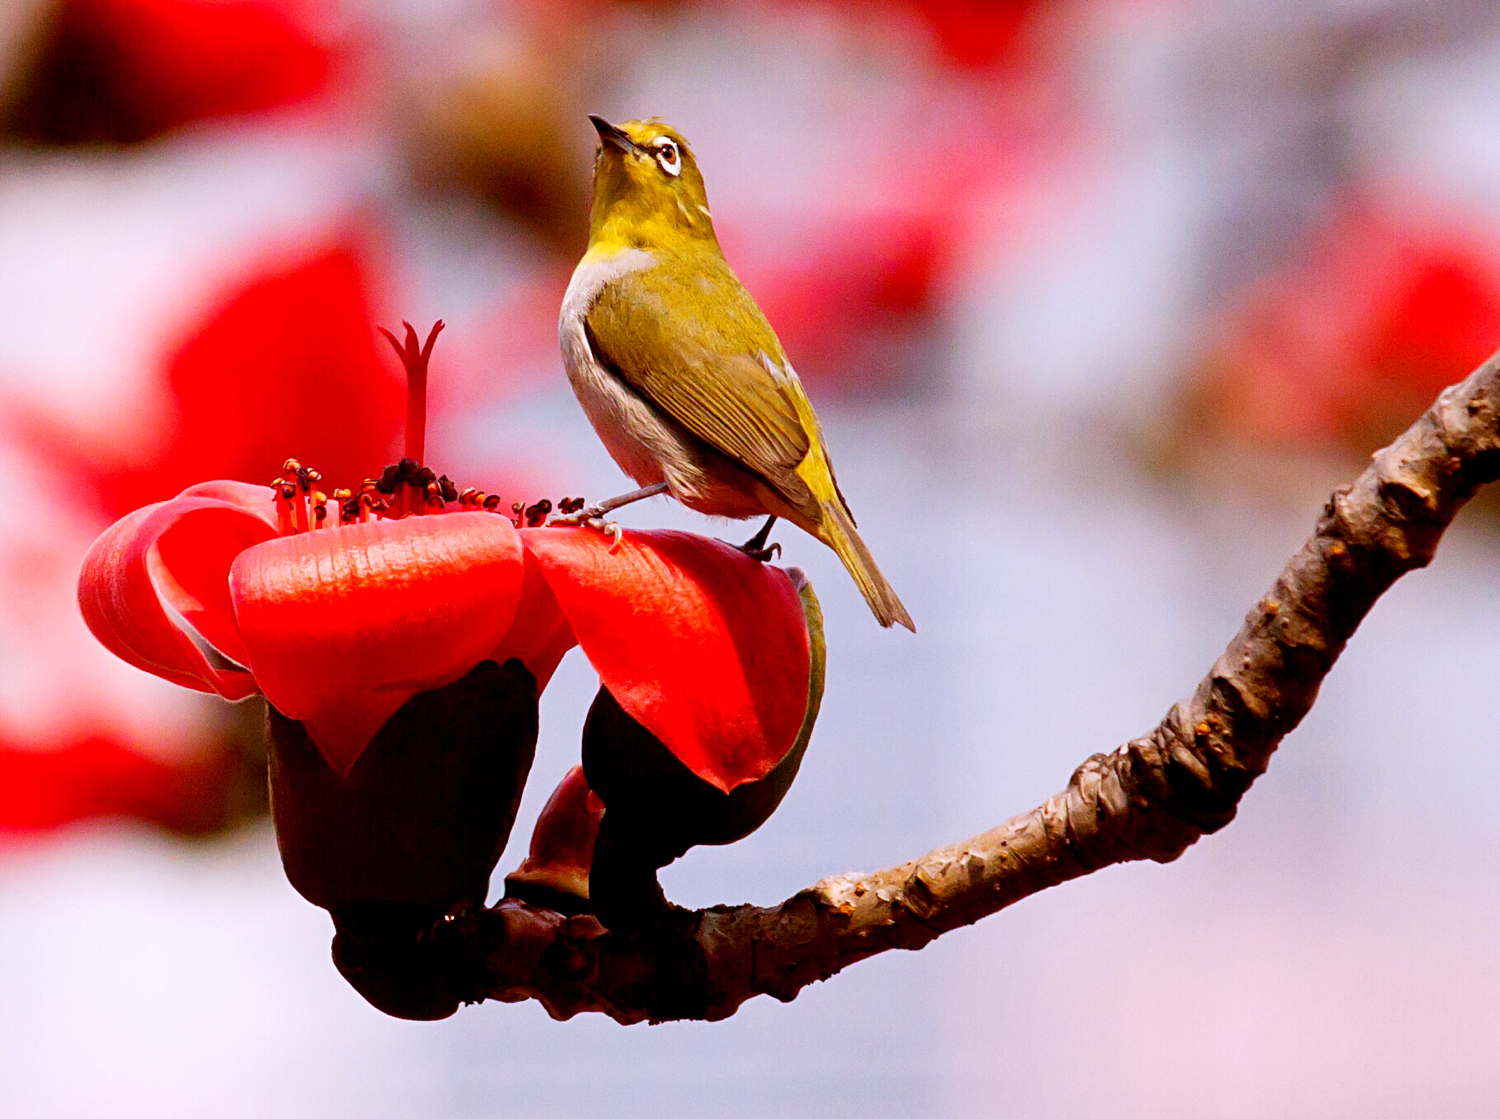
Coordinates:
[630,430]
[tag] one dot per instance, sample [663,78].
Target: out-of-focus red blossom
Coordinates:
[974,34]
[81,735]
[290,356]
[874,249]
[128,70]
[340,626]
[286,352]
[878,249]
[97,778]
[1345,346]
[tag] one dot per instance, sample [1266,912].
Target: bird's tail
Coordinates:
[836,529]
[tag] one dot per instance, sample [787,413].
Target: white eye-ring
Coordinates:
[669,157]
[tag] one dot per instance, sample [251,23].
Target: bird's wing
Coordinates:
[718,375]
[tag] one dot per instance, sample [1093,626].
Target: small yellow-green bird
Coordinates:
[679,372]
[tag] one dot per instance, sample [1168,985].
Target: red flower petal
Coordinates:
[129,580]
[540,634]
[259,501]
[343,626]
[702,645]
[193,573]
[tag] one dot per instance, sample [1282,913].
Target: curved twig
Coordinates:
[1150,799]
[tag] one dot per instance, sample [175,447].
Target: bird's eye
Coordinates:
[669,157]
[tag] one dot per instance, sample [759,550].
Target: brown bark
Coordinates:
[1149,799]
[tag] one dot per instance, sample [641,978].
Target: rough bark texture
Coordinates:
[1149,799]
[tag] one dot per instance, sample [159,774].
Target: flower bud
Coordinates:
[556,871]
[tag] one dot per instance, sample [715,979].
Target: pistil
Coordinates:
[405,488]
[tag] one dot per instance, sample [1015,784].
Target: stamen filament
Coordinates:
[405,488]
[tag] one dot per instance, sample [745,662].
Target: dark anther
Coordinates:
[447,488]
[350,509]
[424,476]
[570,505]
[320,513]
[492,502]
[536,514]
[402,473]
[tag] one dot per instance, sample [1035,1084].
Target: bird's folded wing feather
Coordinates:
[706,371]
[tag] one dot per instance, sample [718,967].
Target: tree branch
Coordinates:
[1150,799]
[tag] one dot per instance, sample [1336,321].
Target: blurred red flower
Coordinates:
[1342,348]
[82,735]
[283,356]
[127,70]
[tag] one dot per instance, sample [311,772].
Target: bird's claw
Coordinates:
[591,518]
[757,548]
[764,555]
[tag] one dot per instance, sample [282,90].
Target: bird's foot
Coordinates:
[591,517]
[757,548]
[764,555]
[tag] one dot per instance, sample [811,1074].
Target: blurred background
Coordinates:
[1098,300]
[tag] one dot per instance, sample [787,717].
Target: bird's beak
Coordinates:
[609,134]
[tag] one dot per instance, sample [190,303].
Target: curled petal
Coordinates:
[342,626]
[170,559]
[189,565]
[703,646]
[259,501]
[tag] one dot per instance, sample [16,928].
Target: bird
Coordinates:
[679,372]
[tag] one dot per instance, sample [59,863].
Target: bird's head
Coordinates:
[648,192]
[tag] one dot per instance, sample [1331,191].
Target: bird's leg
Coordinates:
[596,511]
[756,547]
[592,516]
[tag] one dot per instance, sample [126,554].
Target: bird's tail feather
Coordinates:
[838,532]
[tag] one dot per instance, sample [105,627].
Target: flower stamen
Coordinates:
[404,488]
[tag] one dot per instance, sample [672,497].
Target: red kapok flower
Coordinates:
[401,634]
